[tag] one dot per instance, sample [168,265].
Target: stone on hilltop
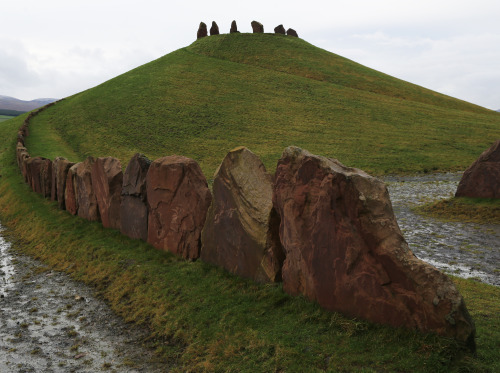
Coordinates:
[107,178]
[214,30]
[84,190]
[202,31]
[178,199]
[292,32]
[344,249]
[60,171]
[134,208]
[241,230]
[279,30]
[234,28]
[482,178]
[257,27]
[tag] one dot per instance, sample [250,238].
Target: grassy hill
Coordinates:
[268,92]
[265,92]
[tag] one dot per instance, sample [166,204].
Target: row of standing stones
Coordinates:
[257,28]
[326,231]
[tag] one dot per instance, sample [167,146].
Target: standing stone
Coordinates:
[202,31]
[107,178]
[234,28]
[241,230]
[46,178]
[482,178]
[344,249]
[34,173]
[257,27]
[22,156]
[85,193]
[134,208]
[178,199]
[70,200]
[292,32]
[214,30]
[279,30]
[60,174]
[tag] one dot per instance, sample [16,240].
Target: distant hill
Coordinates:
[11,103]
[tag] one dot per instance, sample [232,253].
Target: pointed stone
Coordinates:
[214,30]
[202,31]
[234,28]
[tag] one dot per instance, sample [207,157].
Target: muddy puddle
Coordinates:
[50,323]
[467,250]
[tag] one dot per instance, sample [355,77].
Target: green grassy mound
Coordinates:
[267,92]
[477,210]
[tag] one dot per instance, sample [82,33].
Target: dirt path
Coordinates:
[463,249]
[50,323]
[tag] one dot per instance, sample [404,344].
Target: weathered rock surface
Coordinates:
[482,178]
[84,190]
[34,173]
[241,230]
[22,156]
[178,199]
[344,249]
[60,171]
[292,32]
[70,200]
[46,178]
[234,28]
[202,31]
[214,30]
[107,179]
[134,208]
[279,30]
[257,27]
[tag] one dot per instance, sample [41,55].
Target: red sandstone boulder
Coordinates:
[70,200]
[134,208]
[33,172]
[46,178]
[279,30]
[202,31]
[107,178]
[60,167]
[241,230]
[257,27]
[482,178]
[84,190]
[214,30]
[178,199]
[344,249]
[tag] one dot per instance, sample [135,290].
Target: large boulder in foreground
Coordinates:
[134,206]
[241,230]
[344,249]
[178,199]
[482,178]
[107,178]
[84,190]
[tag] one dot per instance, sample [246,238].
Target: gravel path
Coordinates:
[50,323]
[463,249]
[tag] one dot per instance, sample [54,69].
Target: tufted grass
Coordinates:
[477,210]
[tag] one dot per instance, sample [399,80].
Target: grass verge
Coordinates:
[203,319]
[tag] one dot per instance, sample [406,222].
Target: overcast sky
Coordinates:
[55,48]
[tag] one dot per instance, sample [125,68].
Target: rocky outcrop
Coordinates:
[202,31]
[344,249]
[107,178]
[70,200]
[178,198]
[84,190]
[279,30]
[292,32]
[482,178]
[241,229]
[60,171]
[134,207]
[257,27]
[214,30]
[234,28]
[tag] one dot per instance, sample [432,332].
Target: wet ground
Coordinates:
[462,249]
[50,323]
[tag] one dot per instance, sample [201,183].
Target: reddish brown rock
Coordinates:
[84,190]
[482,178]
[241,230]
[292,32]
[22,156]
[257,27]
[46,178]
[107,178]
[60,170]
[134,208]
[214,30]
[344,249]
[178,199]
[70,200]
[34,173]
[202,31]
[279,30]
[234,28]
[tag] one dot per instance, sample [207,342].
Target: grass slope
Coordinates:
[204,319]
[268,92]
